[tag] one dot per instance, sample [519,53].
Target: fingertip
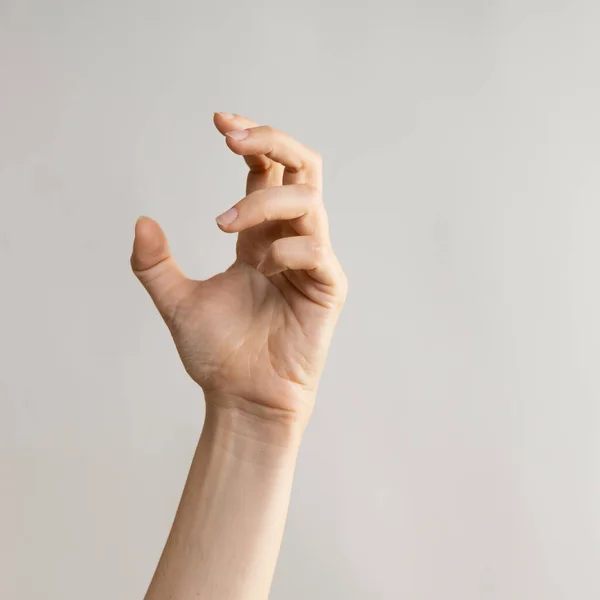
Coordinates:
[237,141]
[226,220]
[225,115]
[236,146]
[238,135]
[142,223]
[149,245]
[147,229]
[223,121]
[226,228]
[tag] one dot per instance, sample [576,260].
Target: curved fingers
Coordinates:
[264,172]
[300,203]
[303,253]
[301,164]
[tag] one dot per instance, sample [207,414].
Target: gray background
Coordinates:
[455,449]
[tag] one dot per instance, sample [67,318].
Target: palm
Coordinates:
[240,334]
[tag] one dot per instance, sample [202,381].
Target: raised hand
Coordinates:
[255,337]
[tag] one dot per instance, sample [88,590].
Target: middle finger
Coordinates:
[301,164]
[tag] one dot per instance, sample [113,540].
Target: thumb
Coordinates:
[153,265]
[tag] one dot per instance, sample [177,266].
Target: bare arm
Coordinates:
[255,338]
[227,532]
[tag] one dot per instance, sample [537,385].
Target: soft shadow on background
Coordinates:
[455,449]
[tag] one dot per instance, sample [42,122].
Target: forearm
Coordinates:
[227,532]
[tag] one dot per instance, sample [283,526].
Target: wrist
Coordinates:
[250,433]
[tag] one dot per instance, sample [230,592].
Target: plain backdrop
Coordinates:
[455,449]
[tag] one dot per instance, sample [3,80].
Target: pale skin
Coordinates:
[255,339]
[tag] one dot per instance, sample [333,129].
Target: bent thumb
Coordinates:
[153,265]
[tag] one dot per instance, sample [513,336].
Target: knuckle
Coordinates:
[311,160]
[320,252]
[317,157]
[343,285]
[313,195]
[254,206]
[277,252]
[261,167]
[264,207]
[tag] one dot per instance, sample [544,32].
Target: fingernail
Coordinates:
[141,218]
[260,267]
[228,217]
[226,115]
[238,135]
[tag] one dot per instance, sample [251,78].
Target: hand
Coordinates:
[255,337]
